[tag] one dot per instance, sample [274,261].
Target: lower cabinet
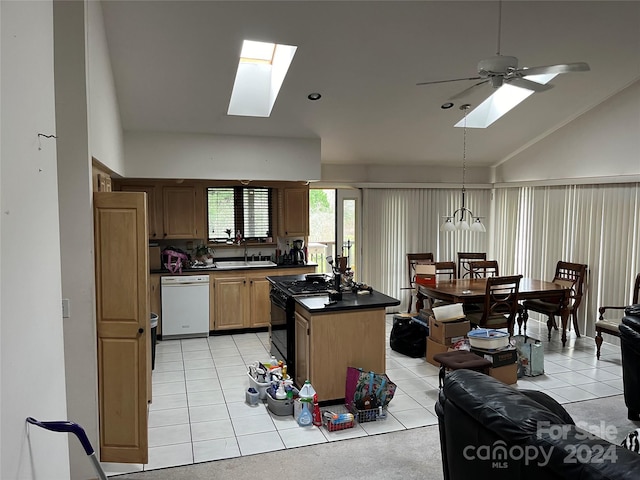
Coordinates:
[241,301]
[260,312]
[230,300]
[155,303]
[302,350]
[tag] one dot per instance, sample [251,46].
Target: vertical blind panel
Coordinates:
[591,224]
[401,221]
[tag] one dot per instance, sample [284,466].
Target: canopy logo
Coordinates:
[499,454]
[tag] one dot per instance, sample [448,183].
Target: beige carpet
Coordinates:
[406,455]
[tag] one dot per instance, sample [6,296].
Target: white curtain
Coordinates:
[598,225]
[401,221]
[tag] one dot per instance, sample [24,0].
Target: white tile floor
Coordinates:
[199,414]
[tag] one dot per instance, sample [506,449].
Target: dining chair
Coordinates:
[612,327]
[414,259]
[483,269]
[463,262]
[446,270]
[500,304]
[571,276]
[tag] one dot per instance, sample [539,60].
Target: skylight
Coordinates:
[261,71]
[500,102]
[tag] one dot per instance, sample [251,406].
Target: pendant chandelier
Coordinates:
[458,220]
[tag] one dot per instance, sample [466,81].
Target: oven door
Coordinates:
[278,327]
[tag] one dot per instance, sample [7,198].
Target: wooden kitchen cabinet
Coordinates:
[302,350]
[295,212]
[242,301]
[260,303]
[155,302]
[153,221]
[180,212]
[328,342]
[231,302]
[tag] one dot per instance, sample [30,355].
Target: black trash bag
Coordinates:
[409,337]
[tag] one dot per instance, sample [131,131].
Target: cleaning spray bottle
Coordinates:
[317,416]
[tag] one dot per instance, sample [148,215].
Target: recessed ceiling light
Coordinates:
[314,96]
[446,106]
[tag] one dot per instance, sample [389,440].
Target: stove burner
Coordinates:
[301,287]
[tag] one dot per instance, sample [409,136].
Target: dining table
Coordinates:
[472,291]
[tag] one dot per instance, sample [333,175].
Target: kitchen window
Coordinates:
[245,209]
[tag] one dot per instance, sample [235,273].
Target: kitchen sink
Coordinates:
[261,263]
[229,264]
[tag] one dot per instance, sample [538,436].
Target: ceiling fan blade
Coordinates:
[528,84]
[467,91]
[446,81]
[557,69]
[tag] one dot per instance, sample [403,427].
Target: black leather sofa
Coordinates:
[630,344]
[493,431]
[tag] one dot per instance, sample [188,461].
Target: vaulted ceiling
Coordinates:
[174,63]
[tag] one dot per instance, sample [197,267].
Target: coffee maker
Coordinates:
[297,252]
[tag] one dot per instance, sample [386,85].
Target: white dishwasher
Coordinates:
[185,306]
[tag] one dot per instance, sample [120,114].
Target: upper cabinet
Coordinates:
[155,227]
[181,212]
[295,212]
[174,211]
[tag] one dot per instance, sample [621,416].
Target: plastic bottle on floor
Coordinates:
[307,392]
[305,418]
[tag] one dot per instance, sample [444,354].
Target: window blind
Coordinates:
[244,209]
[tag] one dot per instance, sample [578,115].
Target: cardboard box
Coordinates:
[498,358]
[446,332]
[506,374]
[155,258]
[434,348]
[426,274]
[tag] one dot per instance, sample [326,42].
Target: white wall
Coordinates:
[105,129]
[31,345]
[409,174]
[76,226]
[604,142]
[220,157]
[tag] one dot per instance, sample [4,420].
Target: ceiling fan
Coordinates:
[503,69]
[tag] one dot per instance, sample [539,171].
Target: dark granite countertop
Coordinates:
[226,269]
[350,301]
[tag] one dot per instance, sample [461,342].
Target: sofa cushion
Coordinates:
[514,417]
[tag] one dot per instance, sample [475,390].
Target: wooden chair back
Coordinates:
[484,269]
[571,275]
[414,259]
[501,300]
[463,262]
[446,270]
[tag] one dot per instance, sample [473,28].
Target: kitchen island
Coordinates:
[329,337]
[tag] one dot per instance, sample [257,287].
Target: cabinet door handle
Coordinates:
[141,330]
